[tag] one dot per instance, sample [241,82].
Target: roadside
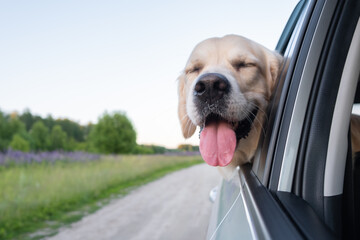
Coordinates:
[176,206]
[38,198]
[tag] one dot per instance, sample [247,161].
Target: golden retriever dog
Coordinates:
[225,90]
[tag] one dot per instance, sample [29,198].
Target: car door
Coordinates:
[317,148]
[302,183]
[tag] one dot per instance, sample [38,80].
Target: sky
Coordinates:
[77,59]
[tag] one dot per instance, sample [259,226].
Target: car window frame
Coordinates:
[289,45]
[309,181]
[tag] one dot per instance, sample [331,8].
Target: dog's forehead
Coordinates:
[230,46]
[204,50]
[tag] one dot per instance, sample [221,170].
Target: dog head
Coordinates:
[225,89]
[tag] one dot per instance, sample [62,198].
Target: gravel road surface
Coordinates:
[174,207]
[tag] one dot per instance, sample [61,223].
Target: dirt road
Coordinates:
[174,207]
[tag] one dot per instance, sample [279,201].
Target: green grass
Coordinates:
[37,195]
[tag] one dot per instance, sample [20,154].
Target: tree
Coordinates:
[114,133]
[58,138]
[73,129]
[40,136]
[4,138]
[28,119]
[9,126]
[15,125]
[49,122]
[19,143]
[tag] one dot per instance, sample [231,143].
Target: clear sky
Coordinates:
[77,59]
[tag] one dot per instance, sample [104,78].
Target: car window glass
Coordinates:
[228,219]
[283,42]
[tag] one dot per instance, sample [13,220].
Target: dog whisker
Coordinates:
[254,105]
[260,123]
[248,118]
[257,119]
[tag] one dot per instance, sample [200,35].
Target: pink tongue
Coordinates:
[217,144]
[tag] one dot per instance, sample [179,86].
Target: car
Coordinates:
[304,180]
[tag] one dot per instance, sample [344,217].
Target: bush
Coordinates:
[141,149]
[114,133]
[19,143]
[188,148]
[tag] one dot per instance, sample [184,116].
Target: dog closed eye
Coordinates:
[194,69]
[243,64]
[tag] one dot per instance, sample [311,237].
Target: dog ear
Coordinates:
[275,65]
[187,127]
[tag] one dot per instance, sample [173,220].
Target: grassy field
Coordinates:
[36,195]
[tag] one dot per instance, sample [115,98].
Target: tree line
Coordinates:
[114,133]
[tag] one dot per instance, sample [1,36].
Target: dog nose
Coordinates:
[211,87]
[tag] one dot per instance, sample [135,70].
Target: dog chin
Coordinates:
[230,171]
